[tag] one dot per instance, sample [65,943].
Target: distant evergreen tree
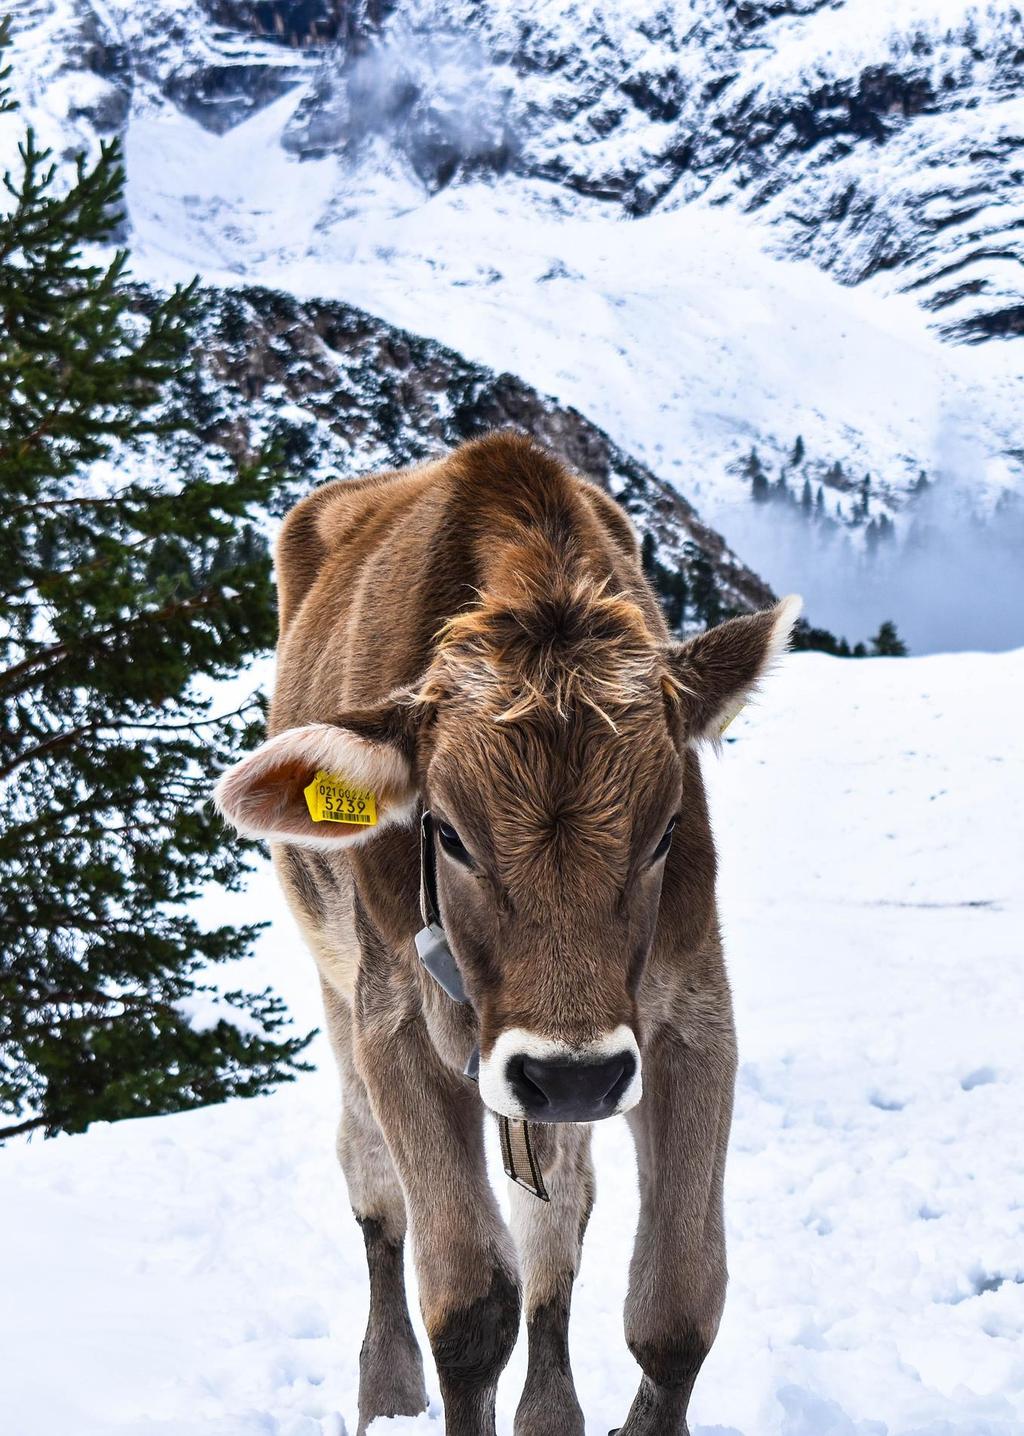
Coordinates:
[754,471]
[122,597]
[865,496]
[806,501]
[818,639]
[705,598]
[674,592]
[920,484]
[887,642]
[780,489]
[797,456]
[819,500]
[668,583]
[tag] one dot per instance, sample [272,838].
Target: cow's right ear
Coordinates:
[301,785]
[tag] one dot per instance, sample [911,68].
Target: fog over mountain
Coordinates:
[773,249]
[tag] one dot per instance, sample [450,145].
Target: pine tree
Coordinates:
[797,456]
[806,502]
[865,496]
[674,592]
[887,643]
[754,471]
[668,583]
[132,576]
[707,602]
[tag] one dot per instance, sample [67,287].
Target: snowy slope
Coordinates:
[338,393]
[464,171]
[200,1275]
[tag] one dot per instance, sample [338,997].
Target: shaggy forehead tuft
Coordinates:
[547,653]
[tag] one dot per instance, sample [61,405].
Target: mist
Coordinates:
[950,579]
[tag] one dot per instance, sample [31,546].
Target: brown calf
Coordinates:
[474,640]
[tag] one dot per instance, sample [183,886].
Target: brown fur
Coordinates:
[482,625]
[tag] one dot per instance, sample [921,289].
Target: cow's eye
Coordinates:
[665,844]
[453,844]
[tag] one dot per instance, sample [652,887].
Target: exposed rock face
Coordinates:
[340,394]
[870,138]
[444,160]
[304,22]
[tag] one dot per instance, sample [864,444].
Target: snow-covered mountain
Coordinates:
[870,137]
[337,393]
[774,240]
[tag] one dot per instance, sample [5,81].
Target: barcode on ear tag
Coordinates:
[333,799]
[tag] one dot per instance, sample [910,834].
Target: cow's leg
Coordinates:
[465,1260]
[678,1274]
[549,1236]
[390,1364]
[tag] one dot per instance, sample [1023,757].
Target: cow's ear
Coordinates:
[327,785]
[715,673]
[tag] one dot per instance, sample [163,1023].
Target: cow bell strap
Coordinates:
[431,942]
[518,1157]
[517,1154]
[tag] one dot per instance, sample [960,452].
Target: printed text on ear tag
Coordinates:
[331,799]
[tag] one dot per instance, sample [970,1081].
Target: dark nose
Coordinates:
[560,1090]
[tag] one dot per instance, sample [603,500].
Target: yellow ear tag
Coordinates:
[331,799]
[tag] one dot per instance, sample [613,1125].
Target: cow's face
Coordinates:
[551,836]
[553,820]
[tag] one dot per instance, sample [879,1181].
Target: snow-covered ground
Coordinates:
[200,1275]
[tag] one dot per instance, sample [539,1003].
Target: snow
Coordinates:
[676,333]
[200,1275]
[690,335]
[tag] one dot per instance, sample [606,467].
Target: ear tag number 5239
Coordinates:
[331,799]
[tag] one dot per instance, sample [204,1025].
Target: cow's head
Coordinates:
[549,741]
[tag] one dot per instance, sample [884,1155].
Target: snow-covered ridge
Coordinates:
[875,139]
[826,194]
[338,393]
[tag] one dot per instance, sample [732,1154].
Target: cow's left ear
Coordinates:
[304,784]
[715,673]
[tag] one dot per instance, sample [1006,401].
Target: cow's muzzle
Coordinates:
[551,1090]
[535,1079]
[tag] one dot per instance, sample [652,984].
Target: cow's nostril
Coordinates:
[527,1090]
[563,1090]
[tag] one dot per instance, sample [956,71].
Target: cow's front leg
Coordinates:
[432,1120]
[678,1274]
[548,1238]
[390,1365]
